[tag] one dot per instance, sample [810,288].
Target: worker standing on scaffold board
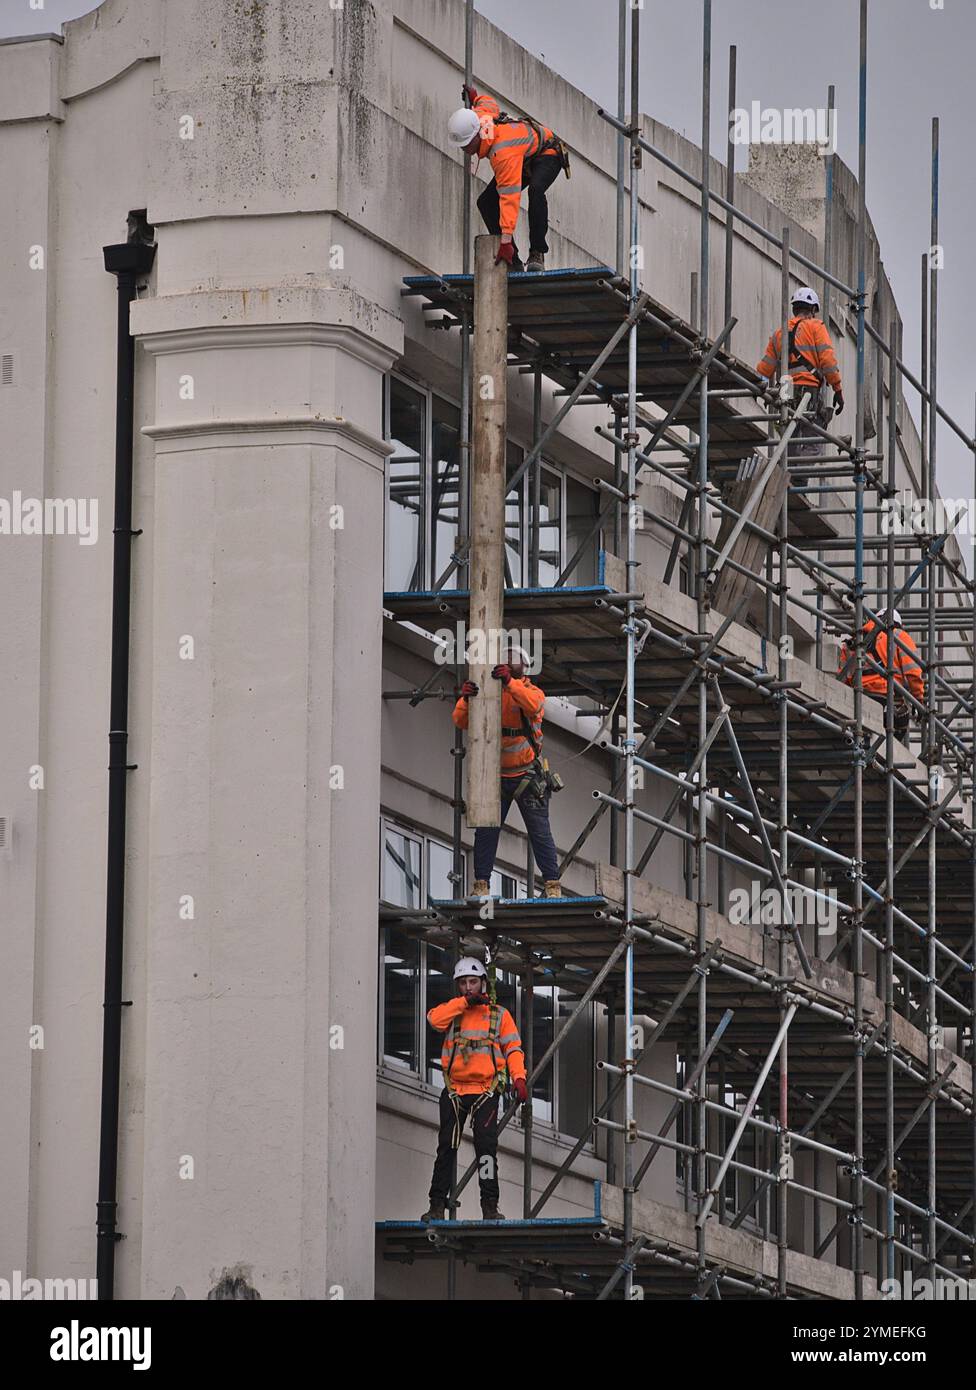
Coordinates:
[482,1054]
[523,154]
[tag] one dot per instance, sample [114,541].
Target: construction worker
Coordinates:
[525,774]
[482,1050]
[523,155]
[811,362]
[906,668]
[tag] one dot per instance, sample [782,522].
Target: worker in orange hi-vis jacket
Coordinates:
[482,1055]
[905,665]
[811,362]
[523,154]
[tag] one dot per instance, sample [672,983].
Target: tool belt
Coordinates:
[539,780]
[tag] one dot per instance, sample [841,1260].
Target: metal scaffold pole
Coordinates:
[858,750]
[701,593]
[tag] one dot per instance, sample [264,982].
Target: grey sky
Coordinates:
[919,66]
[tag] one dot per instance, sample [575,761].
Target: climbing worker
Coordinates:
[526,778]
[482,1051]
[811,362]
[906,668]
[523,154]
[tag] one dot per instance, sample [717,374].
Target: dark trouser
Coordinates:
[535,814]
[483,1110]
[537,175]
[903,711]
[806,443]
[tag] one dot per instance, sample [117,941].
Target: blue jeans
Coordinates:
[535,814]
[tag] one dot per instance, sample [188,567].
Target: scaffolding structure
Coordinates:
[855,1051]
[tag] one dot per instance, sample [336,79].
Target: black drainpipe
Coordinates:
[128,262]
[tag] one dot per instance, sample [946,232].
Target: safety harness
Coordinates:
[543,143]
[466,1046]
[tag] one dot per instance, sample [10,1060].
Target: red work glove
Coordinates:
[468,688]
[506,253]
[502,673]
[521,1092]
[469,94]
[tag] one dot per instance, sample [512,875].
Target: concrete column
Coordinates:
[268,572]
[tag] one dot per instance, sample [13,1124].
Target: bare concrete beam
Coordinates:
[489,397]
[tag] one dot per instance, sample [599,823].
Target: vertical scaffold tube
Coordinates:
[858,750]
[701,566]
[630,742]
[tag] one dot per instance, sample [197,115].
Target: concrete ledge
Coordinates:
[738,1251]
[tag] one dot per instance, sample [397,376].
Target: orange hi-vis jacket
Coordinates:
[907,670]
[479,1061]
[518,697]
[812,346]
[508,146]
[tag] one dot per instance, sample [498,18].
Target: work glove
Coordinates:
[467,689]
[838,402]
[469,94]
[506,253]
[520,1089]
[502,673]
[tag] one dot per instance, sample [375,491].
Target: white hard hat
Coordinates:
[806,295]
[463,126]
[467,965]
[896,615]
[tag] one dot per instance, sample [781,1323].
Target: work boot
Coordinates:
[479,889]
[490,1212]
[536,262]
[553,888]
[435,1212]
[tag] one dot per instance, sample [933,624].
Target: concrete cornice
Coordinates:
[269,316]
[292,429]
[272,335]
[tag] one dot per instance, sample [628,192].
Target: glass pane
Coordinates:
[401,869]
[513,521]
[440,988]
[575,1062]
[543,1002]
[440,866]
[502,885]
[550,528]
[445,444]
[401,984]
[406,431]
[582,506]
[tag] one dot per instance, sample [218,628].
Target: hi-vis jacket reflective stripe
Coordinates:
[519,696]
[812,343]
[508,146]
[477,1060]
[907,670]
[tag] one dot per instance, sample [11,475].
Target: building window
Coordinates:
[402,880]
[400,978]
[406,468]
[423,494]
